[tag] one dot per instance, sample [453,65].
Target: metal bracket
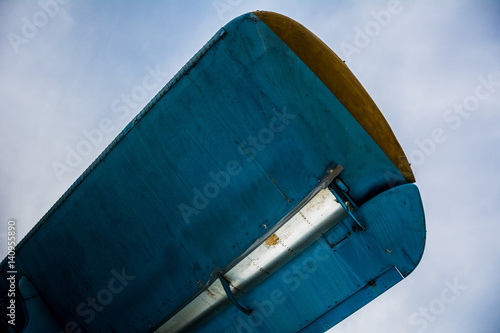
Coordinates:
[229,294]
[340,190]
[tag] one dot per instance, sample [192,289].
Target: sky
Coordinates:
[432,67]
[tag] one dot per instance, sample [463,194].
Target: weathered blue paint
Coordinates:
[226,149]
[330,280]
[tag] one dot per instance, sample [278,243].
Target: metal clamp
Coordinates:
[227,289]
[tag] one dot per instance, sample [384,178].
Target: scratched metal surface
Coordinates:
[336,276]
[244,108]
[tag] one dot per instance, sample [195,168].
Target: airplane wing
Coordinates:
[261,190]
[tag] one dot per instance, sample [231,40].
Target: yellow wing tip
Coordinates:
[349,91]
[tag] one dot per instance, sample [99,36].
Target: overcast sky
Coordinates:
[433,68]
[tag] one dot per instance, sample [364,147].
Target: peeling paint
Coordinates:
[272,240]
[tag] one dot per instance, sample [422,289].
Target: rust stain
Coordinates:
[316,204]
[272,240]
[210,294]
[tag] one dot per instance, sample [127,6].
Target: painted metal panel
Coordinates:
[325,283]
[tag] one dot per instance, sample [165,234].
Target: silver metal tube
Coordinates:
[315,218]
